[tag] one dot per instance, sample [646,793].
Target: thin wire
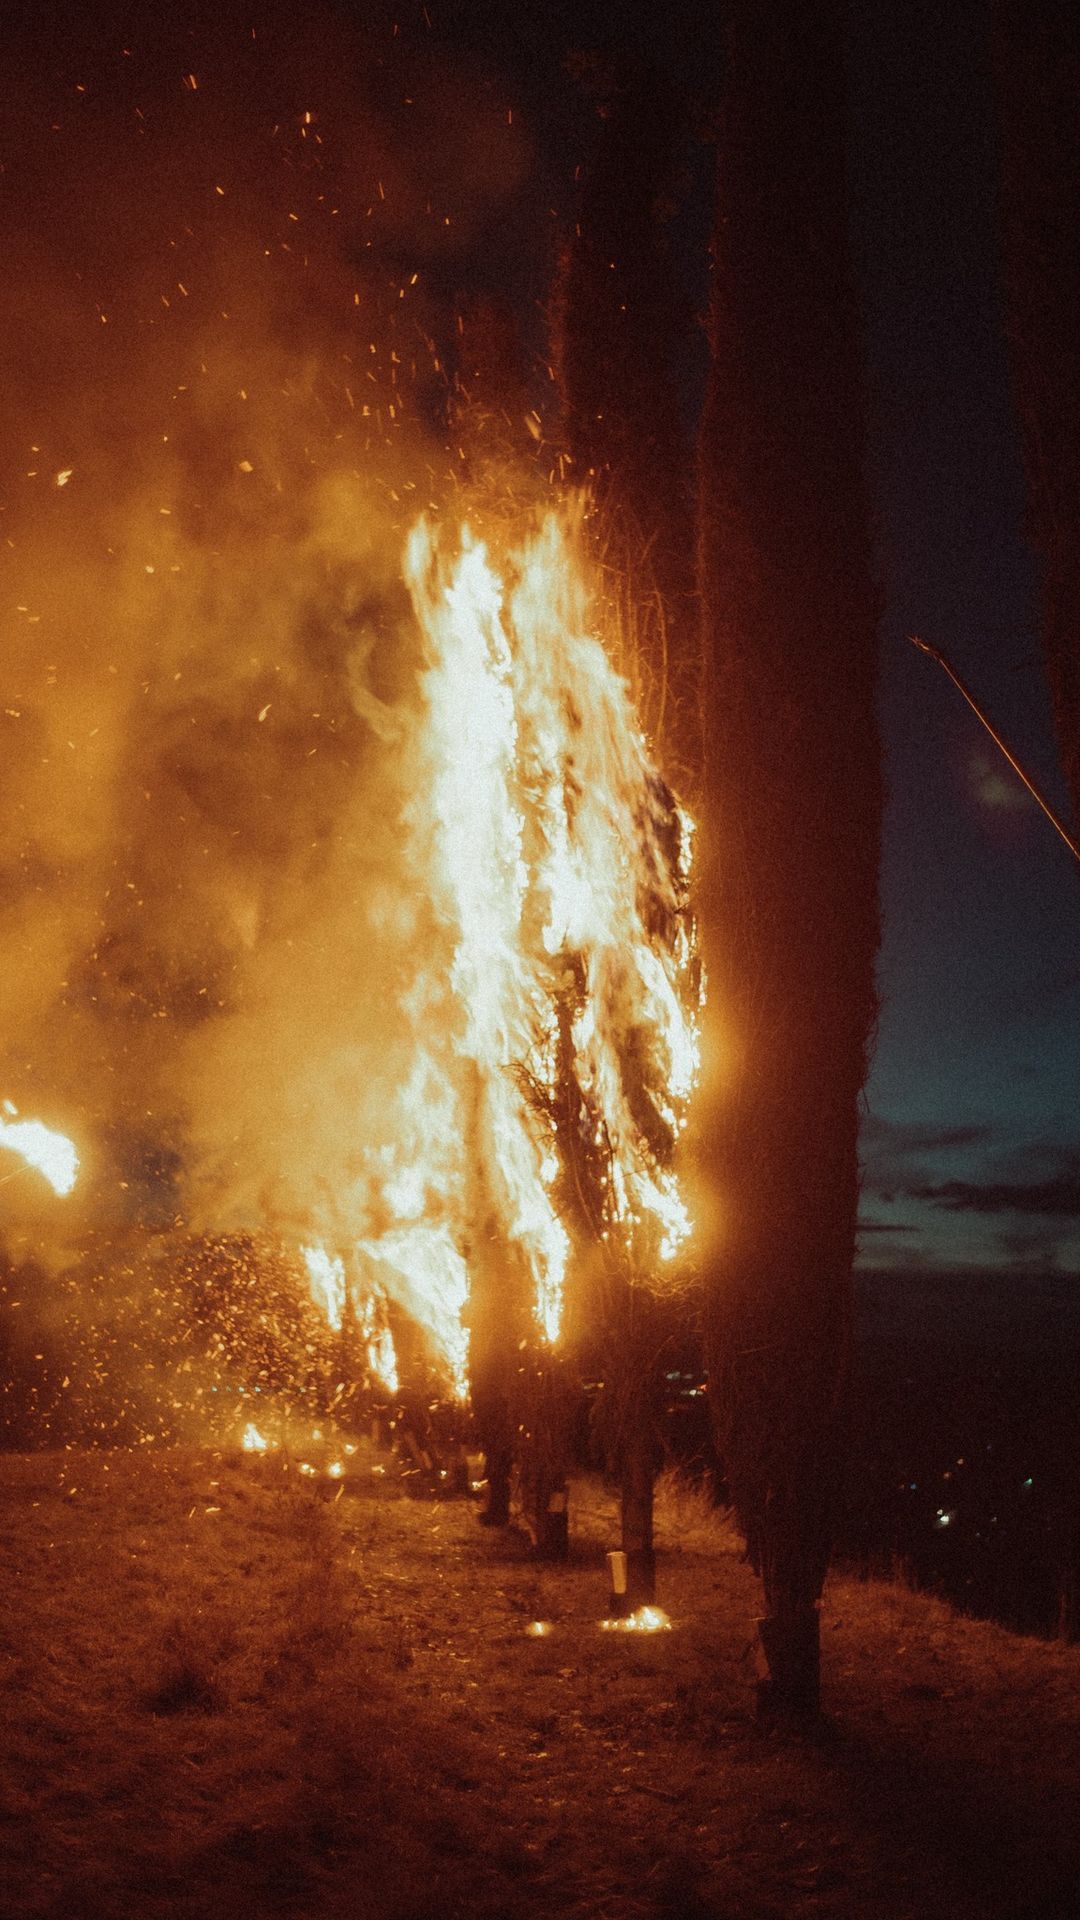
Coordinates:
[935,653]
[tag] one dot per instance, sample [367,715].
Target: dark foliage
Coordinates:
[623,331]
[792,822]
[1037,65]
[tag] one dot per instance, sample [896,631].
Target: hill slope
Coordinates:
[233,1688]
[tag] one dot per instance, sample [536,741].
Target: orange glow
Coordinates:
[326,1273]
[51,1154]
[642,1620]
[538,832]
[334,886]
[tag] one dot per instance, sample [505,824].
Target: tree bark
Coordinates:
[791,827]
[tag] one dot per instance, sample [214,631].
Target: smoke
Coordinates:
[222,337]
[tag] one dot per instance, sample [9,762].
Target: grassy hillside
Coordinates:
[236,1689]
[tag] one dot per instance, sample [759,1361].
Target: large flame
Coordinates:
[330,1292]
[326,1277]
[51,1153]
[557,865]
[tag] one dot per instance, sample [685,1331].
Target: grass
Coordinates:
[231,1690]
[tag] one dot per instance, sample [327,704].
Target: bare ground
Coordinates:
[234,1689]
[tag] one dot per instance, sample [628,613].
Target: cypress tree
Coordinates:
[791,816]
[620,320]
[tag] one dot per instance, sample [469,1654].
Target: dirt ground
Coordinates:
[232,1688]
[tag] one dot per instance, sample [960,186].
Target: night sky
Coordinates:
[972,1132]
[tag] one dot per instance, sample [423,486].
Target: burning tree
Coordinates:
[566,1025]
[623,316]
[791,822]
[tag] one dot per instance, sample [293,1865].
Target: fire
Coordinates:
[379,1343]
[326,1274]
[557,864]
[287,997]
[642,1620]
[425,1270]
[51,1154]
[253,1441]
[330,1292]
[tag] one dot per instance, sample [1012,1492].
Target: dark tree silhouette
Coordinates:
[1037,68]
[791,821]
[622,320]
[621,316]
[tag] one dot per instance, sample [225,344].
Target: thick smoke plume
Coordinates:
[222,334]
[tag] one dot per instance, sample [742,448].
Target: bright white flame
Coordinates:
[423,1269]
[558,952]
[326,1273]
[557,862]
[52,1154]
[253,1441]
[379,1342]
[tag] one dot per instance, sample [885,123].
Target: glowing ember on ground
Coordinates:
[52,1154]
[538,1629]
[253,1441]
[642,1620]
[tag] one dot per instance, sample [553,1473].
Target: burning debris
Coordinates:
[642,1620]
[557,869]
[52,1154]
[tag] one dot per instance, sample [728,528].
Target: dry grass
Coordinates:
[230,1690]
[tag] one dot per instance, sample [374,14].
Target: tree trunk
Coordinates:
[791,827]
[636,1497]
[1037,66]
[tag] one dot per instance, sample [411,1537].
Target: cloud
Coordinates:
[921,1136]
[1055,1195]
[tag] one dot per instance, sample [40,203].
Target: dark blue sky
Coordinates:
[972,1136]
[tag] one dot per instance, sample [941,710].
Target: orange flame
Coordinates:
[549,848]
